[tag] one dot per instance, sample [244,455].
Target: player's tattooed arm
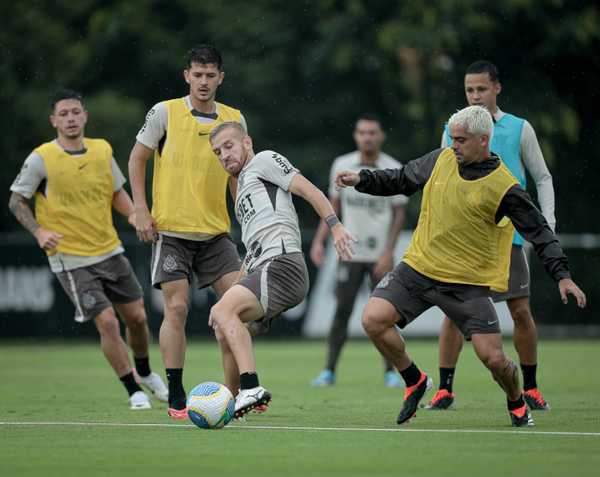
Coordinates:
[46,239]
[20,208]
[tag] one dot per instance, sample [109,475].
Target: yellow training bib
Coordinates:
[457,239]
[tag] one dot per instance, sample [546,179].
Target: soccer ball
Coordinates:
[210,405]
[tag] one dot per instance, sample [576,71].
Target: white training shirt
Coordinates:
[32,176]
[153,131]
[265,210]
[533,161]
[367,217]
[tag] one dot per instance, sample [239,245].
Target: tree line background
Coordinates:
[302,71]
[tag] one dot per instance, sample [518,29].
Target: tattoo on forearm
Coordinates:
[20,208]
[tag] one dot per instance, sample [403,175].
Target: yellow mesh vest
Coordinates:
[79,197]
[189,183]
[457,239]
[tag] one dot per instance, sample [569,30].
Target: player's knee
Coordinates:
[107,325]
[521,314]
[137,319]
[372,323]
[218,317]
[495,362]
[176,309]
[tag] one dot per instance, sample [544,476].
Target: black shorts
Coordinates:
[95,288]
[518,278]
[279,284]
[350,276]
[174,258]
[412,293]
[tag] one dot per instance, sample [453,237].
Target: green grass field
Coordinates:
[81,424]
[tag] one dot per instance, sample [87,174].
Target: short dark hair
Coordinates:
[483,66]
[369,117]
[65,94]
[203,54]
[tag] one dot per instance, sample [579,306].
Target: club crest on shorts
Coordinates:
[88,301]
[169,264]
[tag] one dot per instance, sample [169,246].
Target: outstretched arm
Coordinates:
[145,225]
[342,239]
[317,249]
[529,222]
[408,180]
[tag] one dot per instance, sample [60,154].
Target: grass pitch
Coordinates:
[63,412]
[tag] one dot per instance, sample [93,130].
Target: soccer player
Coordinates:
[189,224]
[276,277]
[76,183]
[376,222]
[515,142]
[459,252]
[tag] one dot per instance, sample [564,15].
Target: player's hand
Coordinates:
[346,179]
[47,239]
[568,287]
[145,225]
[384,264]
[344,241]
[317,253]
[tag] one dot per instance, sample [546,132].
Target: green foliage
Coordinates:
[302,71]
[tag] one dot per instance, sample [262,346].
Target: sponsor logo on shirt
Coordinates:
[283,163]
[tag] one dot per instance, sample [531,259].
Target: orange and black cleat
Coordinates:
[177,414]
[441,401]
[412,396]
[521,417]
[535,400]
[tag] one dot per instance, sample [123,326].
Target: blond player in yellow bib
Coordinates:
[459,253]
[76,183]
[189,223]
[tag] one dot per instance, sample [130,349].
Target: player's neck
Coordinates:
[368,159]
[207,107]
[68,144]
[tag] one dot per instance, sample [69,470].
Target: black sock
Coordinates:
[248,380]
[411,375]
[129,382]
[142,366]
[446,378]
[512,405]
[176,391]
[529,372]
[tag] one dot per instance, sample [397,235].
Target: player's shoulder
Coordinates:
[272,159]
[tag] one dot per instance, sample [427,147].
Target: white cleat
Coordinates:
[139,400]
[249,399]
[156,386]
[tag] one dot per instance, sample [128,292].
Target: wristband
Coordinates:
[332,220]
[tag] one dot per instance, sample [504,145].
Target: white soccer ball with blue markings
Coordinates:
[210,405]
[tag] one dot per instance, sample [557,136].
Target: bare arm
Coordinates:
[233,184]
[144,223]
[342,238]
[19,206]
[123,205]
[317,249]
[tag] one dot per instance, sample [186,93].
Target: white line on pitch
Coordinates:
[306,428]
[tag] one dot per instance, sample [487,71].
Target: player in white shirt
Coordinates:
[275,277]
[376,222]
